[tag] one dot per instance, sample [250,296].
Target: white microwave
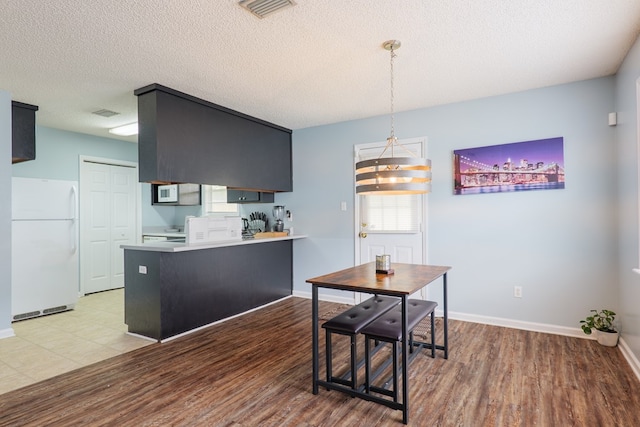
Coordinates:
[168,193]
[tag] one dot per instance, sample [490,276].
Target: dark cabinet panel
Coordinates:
[182,291]
[241,196]
[23,132]
[186,139]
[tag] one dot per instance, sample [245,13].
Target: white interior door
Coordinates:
[123,221]
[108,208]
[393,225]
[95,267]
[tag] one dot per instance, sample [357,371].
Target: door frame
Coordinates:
[422,141]
[82,160]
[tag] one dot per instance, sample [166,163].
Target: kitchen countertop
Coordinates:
[164,246]
[163,232]
[168,235]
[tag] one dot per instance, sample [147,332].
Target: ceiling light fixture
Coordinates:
[393,175]
[125,130]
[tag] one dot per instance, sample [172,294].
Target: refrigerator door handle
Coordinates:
[74,200]
[74,219]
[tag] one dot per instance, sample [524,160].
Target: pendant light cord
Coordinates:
[393,55]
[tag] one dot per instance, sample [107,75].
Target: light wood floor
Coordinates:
[255,370]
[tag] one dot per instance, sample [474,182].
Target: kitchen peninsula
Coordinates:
[172,288]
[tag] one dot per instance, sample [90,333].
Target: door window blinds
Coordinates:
[398,214]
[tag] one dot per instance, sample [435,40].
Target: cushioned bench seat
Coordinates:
[351,322]
[388,328]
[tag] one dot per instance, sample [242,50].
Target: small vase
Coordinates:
[608,339]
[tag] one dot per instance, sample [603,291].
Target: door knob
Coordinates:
[362,234]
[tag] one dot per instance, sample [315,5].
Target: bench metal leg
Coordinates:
[405,360]
[354,360]
[433,336]
[367,366]
[395,371]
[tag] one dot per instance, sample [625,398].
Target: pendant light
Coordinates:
[390,175]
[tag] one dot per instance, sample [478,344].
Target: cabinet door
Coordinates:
[23,132]
[241,196]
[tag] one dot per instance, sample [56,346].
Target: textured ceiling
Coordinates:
[318,62]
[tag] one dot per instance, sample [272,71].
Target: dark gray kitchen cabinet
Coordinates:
[186,139]
[184,290]
[23,132]
[241,196]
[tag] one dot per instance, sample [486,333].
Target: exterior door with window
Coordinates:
[392,225]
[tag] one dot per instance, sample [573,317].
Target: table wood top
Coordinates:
[407,279]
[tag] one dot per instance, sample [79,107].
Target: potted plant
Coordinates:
[601,323]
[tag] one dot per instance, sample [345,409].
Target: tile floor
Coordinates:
[51,345]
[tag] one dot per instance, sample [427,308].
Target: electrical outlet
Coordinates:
[517,291]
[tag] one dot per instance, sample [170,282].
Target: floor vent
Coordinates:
[262,8]
[54,309]
[28,315]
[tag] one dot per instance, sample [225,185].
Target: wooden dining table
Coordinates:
[405,281]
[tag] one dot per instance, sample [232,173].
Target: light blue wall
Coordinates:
[163,216]
[627,163]
[58,151]
[558,245]
[57,157]
[5,213]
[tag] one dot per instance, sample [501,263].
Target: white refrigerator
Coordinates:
[44,247]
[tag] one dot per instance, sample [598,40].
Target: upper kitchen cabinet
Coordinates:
[186,139]
[242,196]
[23,132]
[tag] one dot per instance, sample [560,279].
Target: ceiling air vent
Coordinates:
[262,8]
[105,113]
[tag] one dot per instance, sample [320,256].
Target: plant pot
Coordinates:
[608,339]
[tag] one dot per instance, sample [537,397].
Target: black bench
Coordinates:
[388,328]
[351,322]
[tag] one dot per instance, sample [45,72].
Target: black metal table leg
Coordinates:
[314,333]
[446,317]
[405,362]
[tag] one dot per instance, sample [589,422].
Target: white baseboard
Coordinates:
[518,324]
[631,358]
[545,328]
[7,333]
[475,318]
[507,323]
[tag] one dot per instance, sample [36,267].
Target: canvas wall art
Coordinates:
[518,166]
